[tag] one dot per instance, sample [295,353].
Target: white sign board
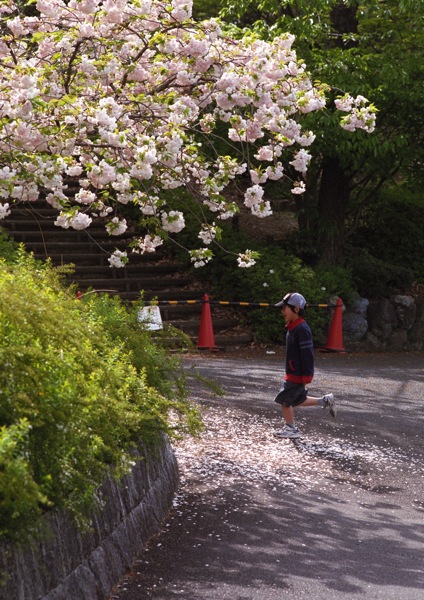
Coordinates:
[150,317]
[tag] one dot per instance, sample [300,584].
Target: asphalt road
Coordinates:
[338,514]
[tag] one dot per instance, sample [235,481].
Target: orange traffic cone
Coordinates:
[335,335]
[206,336]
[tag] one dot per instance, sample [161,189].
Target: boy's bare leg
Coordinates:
[326,401]
[289,430]
[288,414]
[310,401]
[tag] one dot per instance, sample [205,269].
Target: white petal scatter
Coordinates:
[238,447]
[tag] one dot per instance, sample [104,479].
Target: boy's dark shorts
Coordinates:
[291,394]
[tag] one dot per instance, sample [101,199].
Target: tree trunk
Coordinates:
[333,198]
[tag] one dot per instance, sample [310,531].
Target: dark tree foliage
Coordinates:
[371,48]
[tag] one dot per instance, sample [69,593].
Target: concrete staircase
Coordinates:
[157,275]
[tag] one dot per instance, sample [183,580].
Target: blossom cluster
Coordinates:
[123,97]
[361,115]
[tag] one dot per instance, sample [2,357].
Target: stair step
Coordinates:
[194,325]
[153,276]
[132,283]
[75,247]
[83,272]
[225,341]
[99,259]
[32,211]
[58,235]
[168,295]
[181,312]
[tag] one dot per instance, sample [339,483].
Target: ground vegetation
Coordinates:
[83,386]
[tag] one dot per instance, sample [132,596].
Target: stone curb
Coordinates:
[71,565]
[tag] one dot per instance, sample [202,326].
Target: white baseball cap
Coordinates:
[292,299]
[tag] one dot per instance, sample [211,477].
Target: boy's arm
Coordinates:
[307,356]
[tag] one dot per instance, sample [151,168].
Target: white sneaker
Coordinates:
[288,432]
[330,403]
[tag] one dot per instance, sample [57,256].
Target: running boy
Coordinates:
[299,366]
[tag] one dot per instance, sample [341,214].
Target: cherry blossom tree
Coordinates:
[123,97]
[369,47]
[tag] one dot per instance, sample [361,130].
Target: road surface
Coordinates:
[336,515]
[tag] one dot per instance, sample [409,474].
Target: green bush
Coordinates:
[21,498]
[149,354]
[375,278]
[81,386]
[392,231]
[8,247]
[275,274]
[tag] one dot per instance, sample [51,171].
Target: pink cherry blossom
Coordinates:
[4,210]
[147,244]
[125,97]
[116,227]
[118,259]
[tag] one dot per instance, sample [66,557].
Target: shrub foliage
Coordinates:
[276,273]
[81,386]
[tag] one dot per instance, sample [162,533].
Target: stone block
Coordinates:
[416,335]
[69,564]
[399,341]
[354,327]
[382,318]
[406,310]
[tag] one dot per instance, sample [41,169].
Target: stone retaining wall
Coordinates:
[70,565]
[392,324]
